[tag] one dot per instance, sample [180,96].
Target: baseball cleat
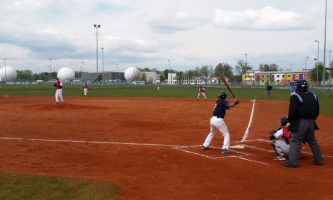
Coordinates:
[288,164]
[203,147]
[279,158]
[225,151]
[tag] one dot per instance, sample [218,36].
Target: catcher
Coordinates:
[281,139]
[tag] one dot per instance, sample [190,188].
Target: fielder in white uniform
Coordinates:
[58,94]
[85,89]
[217,123]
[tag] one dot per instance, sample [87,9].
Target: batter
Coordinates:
[217,123]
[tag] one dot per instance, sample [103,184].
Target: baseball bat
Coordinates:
[227,85]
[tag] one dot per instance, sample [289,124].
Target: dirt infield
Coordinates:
[149,147]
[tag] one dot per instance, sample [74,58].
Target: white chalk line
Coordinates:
[192,152]
[177,147]
[90,142]
[223,157]
[246,133]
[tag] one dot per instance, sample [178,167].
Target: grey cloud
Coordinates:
[42,44]
[267,18]
[177,22]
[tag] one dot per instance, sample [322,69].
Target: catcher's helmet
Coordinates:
[222,95]
[284,121]
[302,86]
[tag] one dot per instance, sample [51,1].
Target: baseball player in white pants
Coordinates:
[218,123]
[58,94]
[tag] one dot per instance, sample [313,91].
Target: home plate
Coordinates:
[238,146]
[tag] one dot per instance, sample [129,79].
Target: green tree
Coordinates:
[268,68]
[164,75]
[204,71]
[24,74]
[225,69]
[313,73]
[180,75]
[189,74]
[242,67]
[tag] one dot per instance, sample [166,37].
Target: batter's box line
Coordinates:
[219,157]
[213,147]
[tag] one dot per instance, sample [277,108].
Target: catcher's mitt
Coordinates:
[271,135]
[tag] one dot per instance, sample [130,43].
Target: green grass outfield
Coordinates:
[47,188]
[325,96]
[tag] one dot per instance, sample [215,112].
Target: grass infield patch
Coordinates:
[17,187]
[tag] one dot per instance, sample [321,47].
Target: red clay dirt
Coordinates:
[150,147]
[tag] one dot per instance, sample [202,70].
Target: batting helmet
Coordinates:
[284,121]
[302,86]
[222,95]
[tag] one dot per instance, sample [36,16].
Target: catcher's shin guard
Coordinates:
[277,149]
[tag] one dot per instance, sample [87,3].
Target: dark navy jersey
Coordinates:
[302,105]
[220,108]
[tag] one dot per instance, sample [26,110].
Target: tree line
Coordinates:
[203,72]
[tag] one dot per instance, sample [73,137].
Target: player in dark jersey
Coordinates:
[303,111]
[217,122]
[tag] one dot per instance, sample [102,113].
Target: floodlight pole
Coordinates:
[317,61]
[306,62]
[103,60]
[82,63]
[4,64]
[324,67]
[97,26]
[50,75]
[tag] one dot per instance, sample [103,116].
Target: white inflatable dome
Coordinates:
[66,74]
[7,73]
[131,73]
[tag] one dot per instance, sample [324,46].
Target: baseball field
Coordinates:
[138,143]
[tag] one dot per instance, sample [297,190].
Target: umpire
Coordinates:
[303,111]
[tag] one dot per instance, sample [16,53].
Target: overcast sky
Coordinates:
[148,33]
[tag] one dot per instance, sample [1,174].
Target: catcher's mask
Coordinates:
[284,121]
[302,86]
[222,95]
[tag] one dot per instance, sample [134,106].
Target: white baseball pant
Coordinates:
[281,147]
[85,91]
[58,96]
[218,123]
[201,93]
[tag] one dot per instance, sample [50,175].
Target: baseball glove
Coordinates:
[271,135]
